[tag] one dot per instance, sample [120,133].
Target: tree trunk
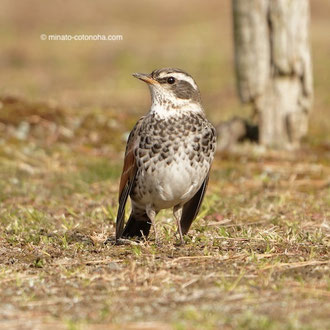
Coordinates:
[273,66]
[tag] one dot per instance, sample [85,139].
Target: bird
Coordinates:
[168,156]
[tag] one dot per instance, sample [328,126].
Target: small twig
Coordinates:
[313,291]
[296,264]
[194,280]
[219,258]
[88,262]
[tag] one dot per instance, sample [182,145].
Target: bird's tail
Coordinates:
[138,225]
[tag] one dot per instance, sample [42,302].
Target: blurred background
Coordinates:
[192,35]
[257,255]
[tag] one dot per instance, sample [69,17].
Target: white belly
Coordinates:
[172,184]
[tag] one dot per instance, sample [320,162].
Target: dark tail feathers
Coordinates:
[137,226]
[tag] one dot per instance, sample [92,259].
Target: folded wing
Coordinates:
[128,177]
[191,208]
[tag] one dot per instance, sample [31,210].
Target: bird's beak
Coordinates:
[146,78]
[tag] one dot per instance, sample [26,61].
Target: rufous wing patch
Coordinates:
[127,178]
[128,170]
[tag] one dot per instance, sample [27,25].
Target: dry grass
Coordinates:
[257,257]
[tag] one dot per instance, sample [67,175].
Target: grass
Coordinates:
[257,256]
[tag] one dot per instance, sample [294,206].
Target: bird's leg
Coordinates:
[151,213]
[177,212]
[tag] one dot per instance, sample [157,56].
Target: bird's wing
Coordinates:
[191,208]
[128,176]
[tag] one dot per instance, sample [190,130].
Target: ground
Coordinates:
[257,257]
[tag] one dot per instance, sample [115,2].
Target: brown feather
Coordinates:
[127,178]
[128,169]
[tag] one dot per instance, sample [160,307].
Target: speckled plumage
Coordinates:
[168,156]
[177,147]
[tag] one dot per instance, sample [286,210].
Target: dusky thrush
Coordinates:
[168,156]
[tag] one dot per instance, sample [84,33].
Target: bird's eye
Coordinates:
[171,80]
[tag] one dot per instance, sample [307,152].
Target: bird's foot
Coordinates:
[125,241]
[182,241]
[110,240]
[119,241]
[179,239]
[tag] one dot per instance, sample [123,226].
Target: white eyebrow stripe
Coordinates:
[180,76]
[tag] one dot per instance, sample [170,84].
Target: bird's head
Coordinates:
[171,88]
